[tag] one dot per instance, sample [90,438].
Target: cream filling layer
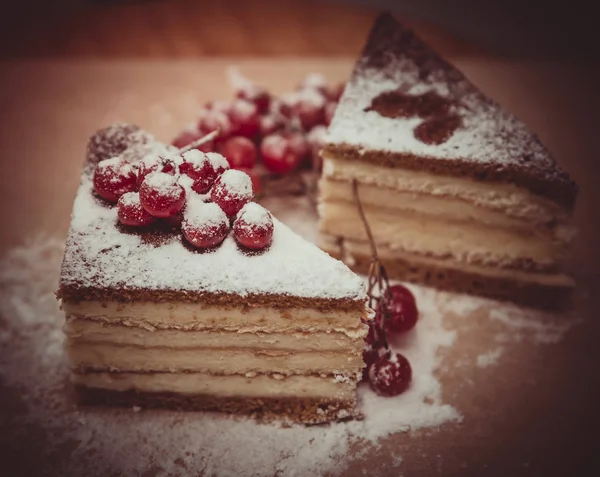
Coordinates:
[98,332]
[351,249]
[192,316]
[466,242]
[506,198]
[440,207]
[107,357]
[224,386]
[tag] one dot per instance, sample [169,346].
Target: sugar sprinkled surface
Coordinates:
[200,213]
[254,213]
[112,258]
[489,133]
[135,441]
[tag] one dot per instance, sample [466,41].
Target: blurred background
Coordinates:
[183,28]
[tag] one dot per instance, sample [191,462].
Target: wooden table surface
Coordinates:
[534,414]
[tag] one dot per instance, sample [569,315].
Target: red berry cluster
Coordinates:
[389,373]
[283,133]
[195,191]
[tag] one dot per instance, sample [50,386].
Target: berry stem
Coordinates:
[198,142]
[378,276]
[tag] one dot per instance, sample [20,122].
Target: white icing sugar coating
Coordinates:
[195,157]
[236,183]
[217,160]
[395,60]
[164,184]
[253,213]
[99,254]
[130,198]
[199,213]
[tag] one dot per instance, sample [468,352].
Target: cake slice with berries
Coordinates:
[459,194]
[181,292]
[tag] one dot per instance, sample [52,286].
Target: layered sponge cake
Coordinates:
[155,319]
[458,192]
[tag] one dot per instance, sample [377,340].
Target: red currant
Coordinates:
[131,212]
[240,152]
[256,180]
[161,195]
[314,81]
[253,227]
[390,374]
[402,310]
[309,107]
[271,123]
[257,95]
[231,191]
[279,154]
[369,356]
[112,178]
[219,163]
[198,167]
[213,119]
[204,224]
[114,140]
[154,163]
[244,118]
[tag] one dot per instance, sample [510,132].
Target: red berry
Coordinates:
[401,308]
[257,95]
[155,163]
[114,140]
[204,224]
[280,155]
[198,167]
[161,195]
[390,374]
[113,177]
[218,162]
[213,119]
[271,123]
[369,356]
[232,190]
[329,112]
[256,180]
[131,212]
[240,152]
[373,338]
[309,107]
[253,227]
[314,81]
[187,137]
[244,118]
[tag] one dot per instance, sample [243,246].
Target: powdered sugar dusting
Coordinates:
[217,160]
[253,213]
[394,60]
[163,183]
[112,258]
[236,183]
[199,213]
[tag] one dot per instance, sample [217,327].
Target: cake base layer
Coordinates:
[299,410]
[548,291]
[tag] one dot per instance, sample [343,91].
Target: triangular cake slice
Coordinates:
[151,321]
[458,192]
